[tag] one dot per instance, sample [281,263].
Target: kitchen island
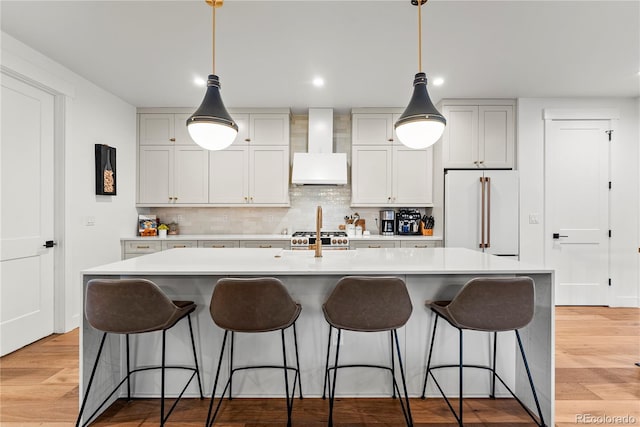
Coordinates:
[430,273]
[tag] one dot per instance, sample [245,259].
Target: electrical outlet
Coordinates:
[224,218]
[179,219]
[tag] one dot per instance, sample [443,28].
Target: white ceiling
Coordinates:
[148,52]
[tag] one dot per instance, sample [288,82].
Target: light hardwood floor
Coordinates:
[596,349]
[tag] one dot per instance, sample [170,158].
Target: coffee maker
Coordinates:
[408,221]
[387,222]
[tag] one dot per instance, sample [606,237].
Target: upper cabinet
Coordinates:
[262,128]
[253,171]
[479,133]
[383,171]
[163,129]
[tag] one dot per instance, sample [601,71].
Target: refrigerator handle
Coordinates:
[482,210]
[488,184]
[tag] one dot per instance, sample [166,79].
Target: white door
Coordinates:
[577,210]
[26,183]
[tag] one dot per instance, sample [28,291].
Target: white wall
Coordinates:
[624,194]
[91,116]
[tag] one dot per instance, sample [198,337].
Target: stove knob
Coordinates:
[339,241]
[298,241]
[304,241]
[334,241]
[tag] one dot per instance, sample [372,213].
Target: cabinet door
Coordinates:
[191,175]
[372,128]
[156,129]
[412,176]
[460,138]
[371,175]
[496,136]
[242,139]
[181,133]
[269,175]
[218,244]
[229,175]
[269,129]
[176,244]
[155,174]
[372,244]
[265,244]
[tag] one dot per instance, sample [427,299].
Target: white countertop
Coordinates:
[249,261]
[286,237]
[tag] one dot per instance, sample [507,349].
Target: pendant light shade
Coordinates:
[211,126]
[421,124]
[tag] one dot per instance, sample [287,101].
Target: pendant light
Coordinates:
[421,125]
[211,126]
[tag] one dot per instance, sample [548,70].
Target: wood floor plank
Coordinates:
[596,348]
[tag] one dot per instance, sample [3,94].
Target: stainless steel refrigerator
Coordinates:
[481,210]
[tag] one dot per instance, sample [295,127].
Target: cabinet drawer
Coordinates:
[284,244]
[218,244]
[179,244]
[373,244]
[416,244]
[140,247]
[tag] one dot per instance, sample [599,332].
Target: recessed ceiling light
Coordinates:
[199,81]
[438,81]
[318,82]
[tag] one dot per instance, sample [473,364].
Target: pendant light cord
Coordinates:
[213,37]
[420,35]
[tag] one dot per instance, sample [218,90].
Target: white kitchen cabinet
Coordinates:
[265,244]
[383,171]
[136,248]
[253,175]
[372,243]
[173,170]
[391,176]
[416,244]
[163,129]
[478,134]
[169,175]
[261,128]
[218,244]
[177,244]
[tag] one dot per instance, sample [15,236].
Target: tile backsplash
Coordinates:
[335,200]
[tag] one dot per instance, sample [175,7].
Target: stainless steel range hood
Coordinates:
[320,165]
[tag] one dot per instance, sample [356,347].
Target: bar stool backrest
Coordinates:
[129,306]
[368,304]
[252,305]
[494,304]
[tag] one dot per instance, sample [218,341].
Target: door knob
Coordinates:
[49,244]
[557,235]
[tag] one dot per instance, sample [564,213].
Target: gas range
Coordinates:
[330,240]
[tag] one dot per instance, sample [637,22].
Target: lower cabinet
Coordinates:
[136,248]
[179,244]
[360,244]
[417,244]
[284,244]
[218,244]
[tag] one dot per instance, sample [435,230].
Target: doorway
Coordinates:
[577,209]
[27,221]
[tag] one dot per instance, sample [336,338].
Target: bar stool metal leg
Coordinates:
[493,369]
[406,411]
[93,373]
[295,343]
[231,364]
[286,381]
[533,389]
[433,338]
[461,397]
[332,387]
[128,370]
[210,419]
[326,366]
[195,357]
[393,366]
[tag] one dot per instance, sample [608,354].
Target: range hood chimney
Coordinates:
[320,165]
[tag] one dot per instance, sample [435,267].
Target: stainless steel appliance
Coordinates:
[481,211]
[331,240]
[388,222]
[408,221]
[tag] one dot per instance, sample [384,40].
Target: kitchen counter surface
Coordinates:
[285,237]
[249,261]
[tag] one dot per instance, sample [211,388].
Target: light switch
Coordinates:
[90,221]
[534,218]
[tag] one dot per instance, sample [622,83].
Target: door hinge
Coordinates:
[609,233]
[609,281]
[609,132]
[609,185]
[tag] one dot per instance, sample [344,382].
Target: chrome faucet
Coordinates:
[318,236]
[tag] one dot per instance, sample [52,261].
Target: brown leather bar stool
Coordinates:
[254,305]
[491,304]
[135,306]
[368,304]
